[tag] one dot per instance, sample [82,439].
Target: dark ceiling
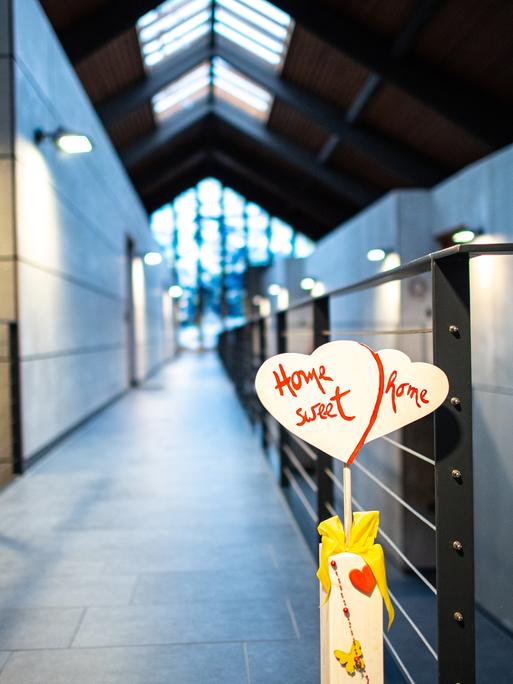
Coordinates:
[373,96]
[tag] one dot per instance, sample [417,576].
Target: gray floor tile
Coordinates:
[67,591]
[202,585]
[305,608]
[192,664]
[177,546]
[185,622]
[4,657]
[293,662]
[38,628]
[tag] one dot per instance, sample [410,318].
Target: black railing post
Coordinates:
[321,326]
[263,356]
[281,345]
[15,379]
[453,472]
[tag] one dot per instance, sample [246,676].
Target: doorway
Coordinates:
[129,314]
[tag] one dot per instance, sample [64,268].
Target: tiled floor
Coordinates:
[153,547]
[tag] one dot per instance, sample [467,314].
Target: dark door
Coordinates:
[129,314]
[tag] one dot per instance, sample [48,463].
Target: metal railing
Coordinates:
[311,479]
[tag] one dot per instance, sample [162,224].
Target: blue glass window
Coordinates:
[214,234]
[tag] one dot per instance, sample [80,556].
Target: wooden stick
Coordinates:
[348,504]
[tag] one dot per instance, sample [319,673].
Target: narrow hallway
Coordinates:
[152,546]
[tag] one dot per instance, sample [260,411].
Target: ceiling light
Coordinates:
[152,258]
[376,254]
[70,142]
[175,292]
[307,283]
[463,235]
[274,289]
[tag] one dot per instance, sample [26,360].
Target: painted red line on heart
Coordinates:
[375,411]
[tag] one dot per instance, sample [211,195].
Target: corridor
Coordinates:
[153,546]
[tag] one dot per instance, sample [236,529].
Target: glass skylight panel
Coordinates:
[256,26]
[271,27]
[253,25]
[182,93]
[171,27]
[231,86]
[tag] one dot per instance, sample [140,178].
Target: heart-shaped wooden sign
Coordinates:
[345,394]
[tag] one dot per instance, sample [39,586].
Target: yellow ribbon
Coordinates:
[361,541]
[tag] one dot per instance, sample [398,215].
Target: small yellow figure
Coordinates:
[353,659]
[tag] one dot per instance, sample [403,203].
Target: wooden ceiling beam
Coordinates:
[148,144]
[90,33]
[392,154]
[320,211]
[212,165]
[134,96]
[346,187]
[162,171]
[424,12]
[472,110]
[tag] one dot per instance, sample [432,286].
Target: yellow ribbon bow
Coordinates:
[361,541]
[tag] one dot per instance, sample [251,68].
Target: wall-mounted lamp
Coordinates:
[377,254]
[307,283]
[464,234]
[274,289]
[319,289]
[458,235]
[152,258]
[175,291]
[67,141]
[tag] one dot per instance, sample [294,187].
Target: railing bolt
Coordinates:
[455,401]
[453,329]
[456,473]
[458,616]
[457,545]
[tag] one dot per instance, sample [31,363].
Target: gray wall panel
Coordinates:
[73,217]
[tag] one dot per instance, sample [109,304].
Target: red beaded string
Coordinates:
[345,610]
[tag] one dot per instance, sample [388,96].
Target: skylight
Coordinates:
[255,26]
[228,84]
[238,90]
[171,27]
[182,93]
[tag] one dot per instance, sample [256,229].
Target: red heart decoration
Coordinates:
[363,579]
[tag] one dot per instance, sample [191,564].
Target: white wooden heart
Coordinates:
[345,394]
[412,391]
[330,398]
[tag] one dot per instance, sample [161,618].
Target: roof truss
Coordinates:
[224,167]
[474,111]
[161,173]
[347,188]
[392,154]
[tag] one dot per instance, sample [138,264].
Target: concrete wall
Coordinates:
[409,222]
[72,218]
[7,237]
